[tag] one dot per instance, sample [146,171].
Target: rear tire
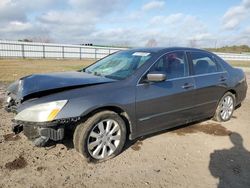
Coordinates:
[100,137]
[225,108]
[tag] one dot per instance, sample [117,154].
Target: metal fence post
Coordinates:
[44,51]
[23,55]
[109,51]
[63,52]
[95,53]
[80,53]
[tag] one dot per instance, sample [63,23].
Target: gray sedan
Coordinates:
[123,96]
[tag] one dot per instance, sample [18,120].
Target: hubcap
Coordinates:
[104,139]
[227,108]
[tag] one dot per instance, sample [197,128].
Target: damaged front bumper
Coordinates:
[41,133]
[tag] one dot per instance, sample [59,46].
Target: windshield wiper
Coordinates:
[113,77]
[98,74]
[84,70]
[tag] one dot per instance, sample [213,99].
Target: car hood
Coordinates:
[44,84]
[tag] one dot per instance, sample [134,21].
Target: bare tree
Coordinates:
[42,39]
[151,43]
[25,40]
[124,44]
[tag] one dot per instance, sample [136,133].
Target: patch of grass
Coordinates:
[13,69]
[239,63]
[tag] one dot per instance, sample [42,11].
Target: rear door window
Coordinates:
[204,63]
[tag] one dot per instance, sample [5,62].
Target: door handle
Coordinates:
[222,79]
[187,86]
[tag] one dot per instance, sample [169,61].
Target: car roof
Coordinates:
[162,49]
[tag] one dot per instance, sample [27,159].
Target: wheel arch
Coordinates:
[237,100]
[233,92]
[121,112]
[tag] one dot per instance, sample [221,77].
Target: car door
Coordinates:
[210,80]
[161,105]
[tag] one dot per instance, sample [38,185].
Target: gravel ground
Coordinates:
[208,154]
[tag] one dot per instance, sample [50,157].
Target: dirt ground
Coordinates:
[208,154]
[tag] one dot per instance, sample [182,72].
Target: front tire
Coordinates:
[225,108]
[101,137]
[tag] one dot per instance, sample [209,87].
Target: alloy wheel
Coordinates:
[227,108]
[104,139]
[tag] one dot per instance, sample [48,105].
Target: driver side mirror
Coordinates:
[156,77]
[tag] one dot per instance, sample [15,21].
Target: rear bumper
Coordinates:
[241,91]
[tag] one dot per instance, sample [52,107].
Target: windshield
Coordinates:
[119,65]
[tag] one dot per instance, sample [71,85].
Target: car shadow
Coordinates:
[68,140]
[231,166]
[139,141]
[134,144]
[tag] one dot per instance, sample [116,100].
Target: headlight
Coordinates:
[41,112]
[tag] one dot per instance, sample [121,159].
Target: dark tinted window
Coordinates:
[221,63]
[204,63]
[173,64]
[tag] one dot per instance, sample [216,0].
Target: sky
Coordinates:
[197,23]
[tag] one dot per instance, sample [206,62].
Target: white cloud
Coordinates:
[247,30]
[10,11]
[173,30]
[17,26]
[178,23]
[179,29]
[97,7]
[153,5]
[18,10]
[14,18]
[112,22]
[65,26]
[71,24]
[3,3]
[171,19]
[235,15]
[67,18]
[243,37]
